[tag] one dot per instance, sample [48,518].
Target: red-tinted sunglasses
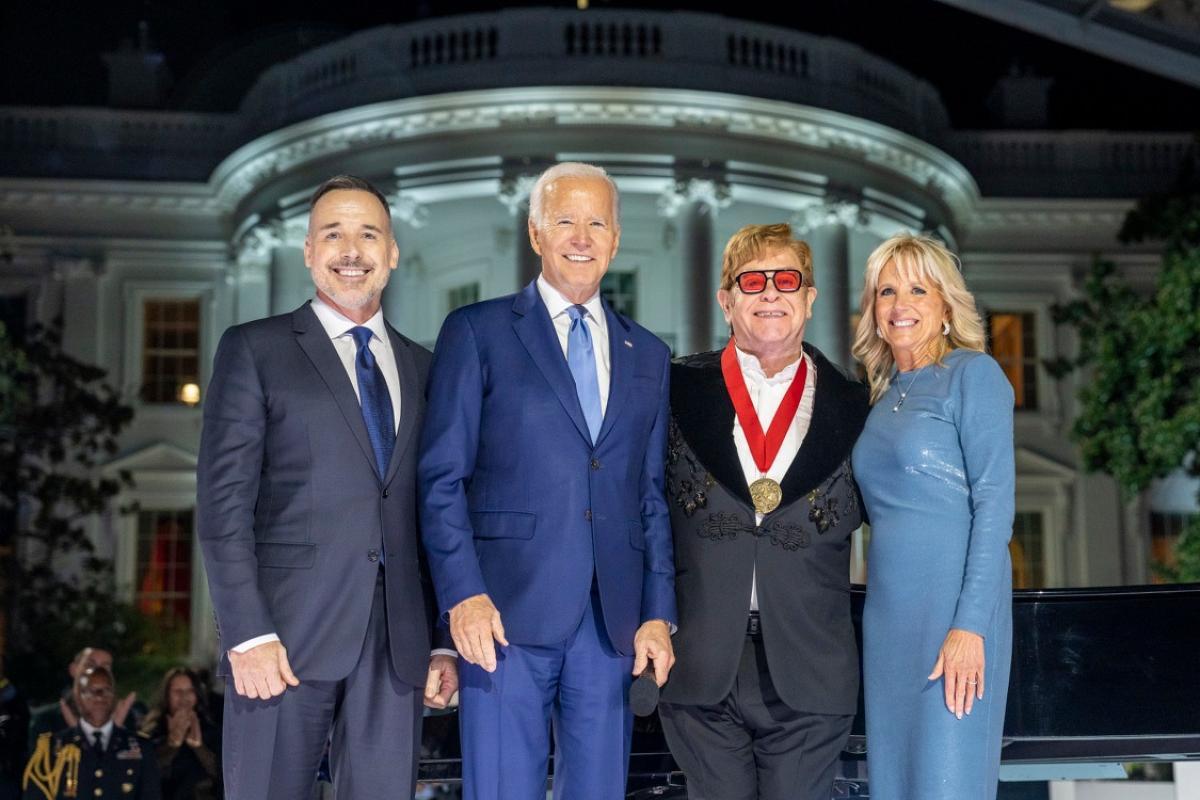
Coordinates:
[754,281]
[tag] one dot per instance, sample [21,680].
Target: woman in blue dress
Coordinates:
[935,467]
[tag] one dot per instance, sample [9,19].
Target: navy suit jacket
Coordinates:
[517,503]
[292,514]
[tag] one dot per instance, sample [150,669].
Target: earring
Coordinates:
[946,328]
[878,333]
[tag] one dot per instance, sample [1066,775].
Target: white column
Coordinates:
[695,203]
[1063,790]
[290,281]
[80,307]
[251,277]
[514,194]
[1187,780]
[826,227]
[400,297]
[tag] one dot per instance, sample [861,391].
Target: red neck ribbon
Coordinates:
[763,447]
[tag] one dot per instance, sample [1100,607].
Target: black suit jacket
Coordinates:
[801,550]
[292,514]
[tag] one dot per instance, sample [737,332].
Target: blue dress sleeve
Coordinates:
[985,433]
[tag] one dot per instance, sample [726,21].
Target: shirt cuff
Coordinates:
[250,644]
[442,651]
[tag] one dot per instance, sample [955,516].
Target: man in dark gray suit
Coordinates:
[307,520]
[763,504]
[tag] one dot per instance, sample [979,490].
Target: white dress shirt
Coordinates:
[557,305]
[89,731]
[766,394]
[338,327]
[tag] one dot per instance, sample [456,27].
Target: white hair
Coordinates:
[570,169]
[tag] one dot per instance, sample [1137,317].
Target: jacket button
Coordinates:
[386,492]
[595,464]
[372,556]
[587,514]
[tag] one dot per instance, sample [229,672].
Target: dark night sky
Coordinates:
[50,51]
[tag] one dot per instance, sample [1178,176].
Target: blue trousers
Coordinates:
[579,687]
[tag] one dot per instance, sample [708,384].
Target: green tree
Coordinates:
[58,420]
[1140,408]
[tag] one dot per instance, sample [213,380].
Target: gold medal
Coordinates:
[766,495]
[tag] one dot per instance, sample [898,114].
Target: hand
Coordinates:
[262,672]
[193,737]
[68,715]
[442,681]
[653,641]
[473,624]
[961,662]
[124,705]
[177,728]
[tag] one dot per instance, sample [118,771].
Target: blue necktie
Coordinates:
[375,400]
[582,361]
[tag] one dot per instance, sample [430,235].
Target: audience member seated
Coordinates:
[185,738]
[94,757]
[63,713]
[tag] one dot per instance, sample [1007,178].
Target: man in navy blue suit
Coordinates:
[307,518]
[542,509]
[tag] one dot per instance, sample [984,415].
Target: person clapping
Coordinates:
[186,740]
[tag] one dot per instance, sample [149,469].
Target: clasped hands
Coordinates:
[960,663]
[264,672]
[184,727]
[476,628]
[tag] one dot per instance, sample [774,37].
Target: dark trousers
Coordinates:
[372,720]
[751,746]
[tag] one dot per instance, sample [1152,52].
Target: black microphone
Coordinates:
[643,694]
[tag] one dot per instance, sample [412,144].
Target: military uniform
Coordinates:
[68,765]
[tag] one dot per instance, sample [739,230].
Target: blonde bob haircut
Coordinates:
[753,242]
[918,259]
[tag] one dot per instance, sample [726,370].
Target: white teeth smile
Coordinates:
[577,258]
[350,273]
[904,323]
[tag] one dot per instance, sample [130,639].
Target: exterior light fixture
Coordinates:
[189,394]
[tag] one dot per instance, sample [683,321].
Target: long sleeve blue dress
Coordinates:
[937,478]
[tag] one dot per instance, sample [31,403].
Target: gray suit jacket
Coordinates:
[802,549]
[292,515]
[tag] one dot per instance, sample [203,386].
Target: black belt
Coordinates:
[754,625]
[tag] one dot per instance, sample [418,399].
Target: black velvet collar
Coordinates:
[704,414]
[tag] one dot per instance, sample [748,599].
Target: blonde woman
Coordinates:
[935,467]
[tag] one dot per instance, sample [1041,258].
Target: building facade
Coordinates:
[150,232]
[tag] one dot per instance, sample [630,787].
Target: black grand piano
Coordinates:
[1099,677]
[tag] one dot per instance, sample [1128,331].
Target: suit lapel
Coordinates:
[839,412]
[314,341]
[406,368]
[705,415]
[621,358]
[536,332]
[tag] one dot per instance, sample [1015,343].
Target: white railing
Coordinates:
[601,47]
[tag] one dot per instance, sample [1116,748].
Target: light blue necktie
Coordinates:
[375,400]
[581,359]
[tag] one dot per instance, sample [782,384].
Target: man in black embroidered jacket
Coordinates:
[763,504]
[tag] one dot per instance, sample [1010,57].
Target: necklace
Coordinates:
[904,392]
